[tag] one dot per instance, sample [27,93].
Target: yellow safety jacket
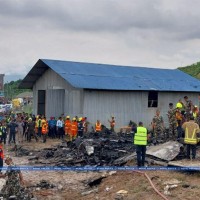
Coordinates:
[140,137]
[190,138]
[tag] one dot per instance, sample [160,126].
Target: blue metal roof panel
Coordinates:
[112,77]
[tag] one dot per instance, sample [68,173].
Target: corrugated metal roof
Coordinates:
[113,77]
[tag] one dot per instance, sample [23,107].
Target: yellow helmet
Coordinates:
[80,118]
[74,118]
[68,117]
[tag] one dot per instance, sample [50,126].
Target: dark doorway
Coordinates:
[41,102]
[153,99]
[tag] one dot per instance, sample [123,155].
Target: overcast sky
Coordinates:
[152,33]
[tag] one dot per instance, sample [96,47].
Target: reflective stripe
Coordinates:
[189,140]
[140,137]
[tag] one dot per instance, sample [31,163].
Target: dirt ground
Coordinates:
[72,185]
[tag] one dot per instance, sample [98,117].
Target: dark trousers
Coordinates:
[44,137]
[52,131]
[141,151]
[39,131]
[3,139]
[60,132]
[1,164]
[12,136]
[189,148]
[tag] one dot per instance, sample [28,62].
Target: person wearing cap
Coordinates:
[172,121]
[141,137]
[74,129]
[44,129]
[67,125]
[80,127]
[188,107]
[158,126]
[31,130]
[14,182]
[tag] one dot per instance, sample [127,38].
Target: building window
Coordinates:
[153,99]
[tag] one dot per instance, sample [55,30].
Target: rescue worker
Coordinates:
[188,107]
[3,130]
[74,129]
[1,155]
[195,112]
[191,129]
[158,126]
[98,127]
[80,127]
[44,129]
[179,118]
[39,126]
[112,124]
[172,122]
[67,125]
[36,124]
[31,130]
[140,140]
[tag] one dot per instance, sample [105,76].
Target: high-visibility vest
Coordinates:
[74,128]
[190,138]
[1,152]
[67,125]
[1,131]
[44,128]
[98,127]
[140,137]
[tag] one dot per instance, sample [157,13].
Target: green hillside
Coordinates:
[11,89]
[193,70]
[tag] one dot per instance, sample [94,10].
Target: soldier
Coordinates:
[172,121]
[14,182]
[188,108]
[158,126]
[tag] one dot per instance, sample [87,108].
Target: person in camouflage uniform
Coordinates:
[188,108]
[172,122]
[158,126]
[13,183]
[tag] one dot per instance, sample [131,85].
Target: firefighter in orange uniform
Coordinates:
[74,129]
[44,129]
[67,125]
[98,127]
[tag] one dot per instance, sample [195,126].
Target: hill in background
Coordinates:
[193,70]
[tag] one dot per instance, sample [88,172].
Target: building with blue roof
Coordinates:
[99,91]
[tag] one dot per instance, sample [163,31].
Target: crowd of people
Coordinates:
[17,128]
[184,122]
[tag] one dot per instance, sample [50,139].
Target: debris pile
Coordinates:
[85,151]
